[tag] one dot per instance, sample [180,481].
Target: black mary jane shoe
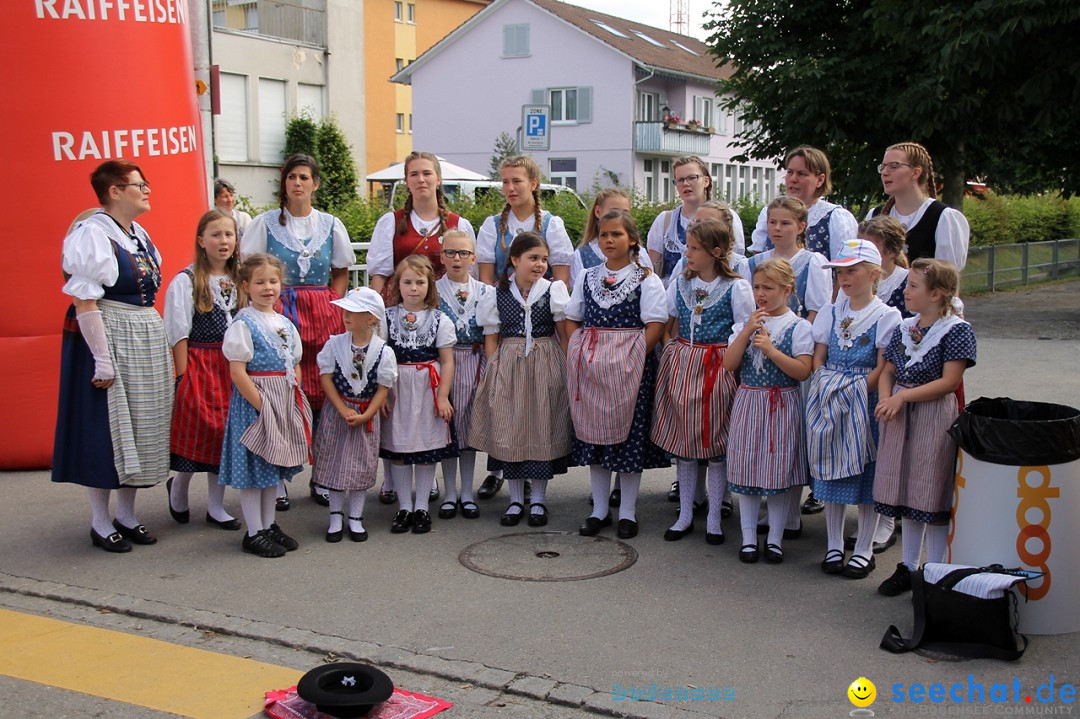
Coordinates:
[726,509]
[627,529]
[538,519]
[674,535]
[360,536]
[469,510]
[335,537]
[178,516]
[714,539]
[283,503]
[833,562]
[402,522]
[115,542]
[859,568]
[319,494]
[812,505]
[512,519]
[489,487]
[262,546]
[774,554]
[592,525]
[228,524]
[138,534]
[615,498]
[282,539]
[880,547]
[421,522]
[448,510]
[673,493]
[748,554]
[387,496]
[793,533]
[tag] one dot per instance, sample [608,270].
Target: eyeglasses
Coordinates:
[891,167]
[463,254]
[687,179]
[143,186]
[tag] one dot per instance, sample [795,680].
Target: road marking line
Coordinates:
[136,670]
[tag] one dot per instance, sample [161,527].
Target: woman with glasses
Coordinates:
[934,230]
[316,250]
[116,375]
[416,229]
[225,203]
[808,177]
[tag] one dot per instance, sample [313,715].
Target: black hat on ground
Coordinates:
[345,689]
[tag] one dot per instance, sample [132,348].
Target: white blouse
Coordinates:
[842,226]
[180,304]
[380,257]
[818,277]
[951,237]
[653,306]
[487,310]
[561,249]
[824,322]
[742,297]
[238,347]
[88,256]
[385,376]
[737,263]
[577,266]
[802,337]
[655,239]
[254,239]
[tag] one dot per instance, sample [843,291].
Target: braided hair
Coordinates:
[695,160]
[291,163]
[440,197]
[919,157]
[631,229]
[532,172]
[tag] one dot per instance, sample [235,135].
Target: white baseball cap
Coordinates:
[855,251]
[363,299]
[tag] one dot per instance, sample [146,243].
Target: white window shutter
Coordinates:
[539,97]
[584,105]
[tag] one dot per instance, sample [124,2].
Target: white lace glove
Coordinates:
[93,331]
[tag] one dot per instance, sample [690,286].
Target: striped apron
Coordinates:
[469,364]
[693,400]
[604,368]
[838,439]
[281,432]
[346,458]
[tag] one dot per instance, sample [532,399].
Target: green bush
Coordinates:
[1007,219]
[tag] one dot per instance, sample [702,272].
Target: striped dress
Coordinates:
[262,448]
[841,432]
[459,303]
[693,391]
[611,380]
[766,439]
[916,455]
[202,393]
[346,457]
[520,415]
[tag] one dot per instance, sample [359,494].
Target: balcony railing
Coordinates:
[656,139]
[298,20]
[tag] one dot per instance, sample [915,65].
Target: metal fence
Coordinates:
[998,267]
[358,276]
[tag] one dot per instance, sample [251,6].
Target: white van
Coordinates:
[476,189]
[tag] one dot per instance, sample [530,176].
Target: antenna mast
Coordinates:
[679,20]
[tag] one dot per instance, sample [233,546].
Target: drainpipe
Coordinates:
[633,162]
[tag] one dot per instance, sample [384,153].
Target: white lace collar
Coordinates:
[342,348]
[276,331]
[537,291]
[849,324]
[412,330]
[916,350]
[321,225]
[699,296]
[777,327]
[115,233]
[889,284]
[817,211]
[671,240]
[223,292]
[464,309]
[610,288]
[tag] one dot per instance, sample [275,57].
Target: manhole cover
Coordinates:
[547,557]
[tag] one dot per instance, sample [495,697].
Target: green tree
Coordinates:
[987,85]
[505,146]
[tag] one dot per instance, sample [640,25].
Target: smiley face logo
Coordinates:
[862,692]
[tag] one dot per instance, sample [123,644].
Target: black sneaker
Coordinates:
[287,543]
[812,505]
[898,583]
[262,546]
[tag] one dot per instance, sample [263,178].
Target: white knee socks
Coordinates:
[834,525]
[357,500]
[517,495]
[936,538]
[748,509]
[885,527]
[779,505]
[99,511]
[178,494]
[215,498]
[686,472]
[337,502]
[268,500]
[631,484]
[538,496]
[125,506]
[868,520]
[449,475]
[467,463]
[600,479]
[401,479]
[251,509]
[911,543]
[717,491]
[425,477]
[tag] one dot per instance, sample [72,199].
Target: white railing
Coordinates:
[358,276]
[654,137]
[996,267]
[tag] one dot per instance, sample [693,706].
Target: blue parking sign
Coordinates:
[535,127]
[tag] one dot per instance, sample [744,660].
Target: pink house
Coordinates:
[610,83]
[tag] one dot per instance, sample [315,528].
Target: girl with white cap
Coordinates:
[357,370]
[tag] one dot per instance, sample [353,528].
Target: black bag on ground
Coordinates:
[1018,433]
[952,621]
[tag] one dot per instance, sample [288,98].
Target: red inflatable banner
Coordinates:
[91,80]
